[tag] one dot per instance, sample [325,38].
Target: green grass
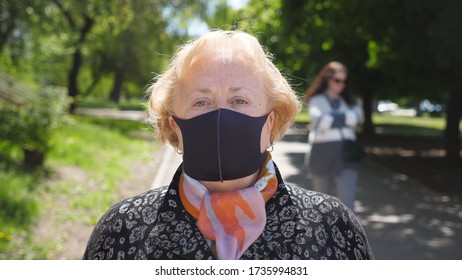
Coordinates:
[436,123]
[96,144]
[410,126]
[399,125]
[105,149]
[16,198]
[302,117]
[132,104]
[124,127]
[18,207]
[100,151]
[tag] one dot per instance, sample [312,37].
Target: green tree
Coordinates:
[305,35]
[133,52]
[392,48]
[14,19]
[136,41]
[80,17]
[222,16]
[418,51]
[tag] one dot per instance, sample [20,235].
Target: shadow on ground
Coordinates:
[403,218]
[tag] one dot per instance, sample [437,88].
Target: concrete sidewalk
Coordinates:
[402,218]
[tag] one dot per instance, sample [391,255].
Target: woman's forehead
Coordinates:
[219,59]
[211,75]
[211,67]
[340,73]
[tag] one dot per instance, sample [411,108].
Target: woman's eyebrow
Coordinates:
[205,90]
[208,91]
[234,89]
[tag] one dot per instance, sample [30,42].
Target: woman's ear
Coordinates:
[271,118]
[177,131]
[172,123]
[266,133]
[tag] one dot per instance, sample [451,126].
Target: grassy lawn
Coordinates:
[408,126]
[96,155]
[19,207]
[399,125]
[302,117]
[132,104]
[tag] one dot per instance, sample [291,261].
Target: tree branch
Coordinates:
[66,13]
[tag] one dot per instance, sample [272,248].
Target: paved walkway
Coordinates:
[402,218]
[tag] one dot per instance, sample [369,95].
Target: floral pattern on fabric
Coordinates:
[300,224]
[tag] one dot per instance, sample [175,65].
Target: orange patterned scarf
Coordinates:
[233,220]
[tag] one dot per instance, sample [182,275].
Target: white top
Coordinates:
[322,118]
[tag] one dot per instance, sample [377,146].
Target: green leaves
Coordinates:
[29,123]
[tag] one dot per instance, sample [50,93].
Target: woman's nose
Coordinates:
[221,104]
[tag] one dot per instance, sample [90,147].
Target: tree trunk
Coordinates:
[9,22]
[368,126]
[73,90]
[118,83]
[72,78]
[452,133]
[6,33]
[33,159]
[418,109]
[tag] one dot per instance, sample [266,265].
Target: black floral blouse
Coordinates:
[301,224]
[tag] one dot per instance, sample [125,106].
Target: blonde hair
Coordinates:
[225,45]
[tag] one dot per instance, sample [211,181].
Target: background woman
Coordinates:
[222,103]
[334,116]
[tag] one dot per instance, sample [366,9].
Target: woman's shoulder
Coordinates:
[316,198]
[321,97]
[324,204]
[328,217]
[319,101]
[124,220]
[317,202]
[151,199]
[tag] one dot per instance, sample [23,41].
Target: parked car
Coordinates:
[386,106]
[426,106]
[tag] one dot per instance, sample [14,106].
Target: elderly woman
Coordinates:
[222,103]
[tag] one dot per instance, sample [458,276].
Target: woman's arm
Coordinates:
[353,116]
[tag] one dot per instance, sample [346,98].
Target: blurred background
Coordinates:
[73,137]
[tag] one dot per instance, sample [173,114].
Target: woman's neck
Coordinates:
[333,95]
[231,185]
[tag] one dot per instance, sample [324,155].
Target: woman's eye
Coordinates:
[240,101]
[200,104]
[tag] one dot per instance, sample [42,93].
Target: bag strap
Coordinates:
[335,110]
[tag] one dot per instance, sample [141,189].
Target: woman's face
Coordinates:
[210,84]
[336,84]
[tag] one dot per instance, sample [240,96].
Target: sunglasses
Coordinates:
[338,81]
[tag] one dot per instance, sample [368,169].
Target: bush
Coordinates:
[29,124]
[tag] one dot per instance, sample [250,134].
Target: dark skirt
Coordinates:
[324,159]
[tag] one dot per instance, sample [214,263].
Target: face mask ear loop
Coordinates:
[219,146]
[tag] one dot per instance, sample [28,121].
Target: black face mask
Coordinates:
[221,145]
